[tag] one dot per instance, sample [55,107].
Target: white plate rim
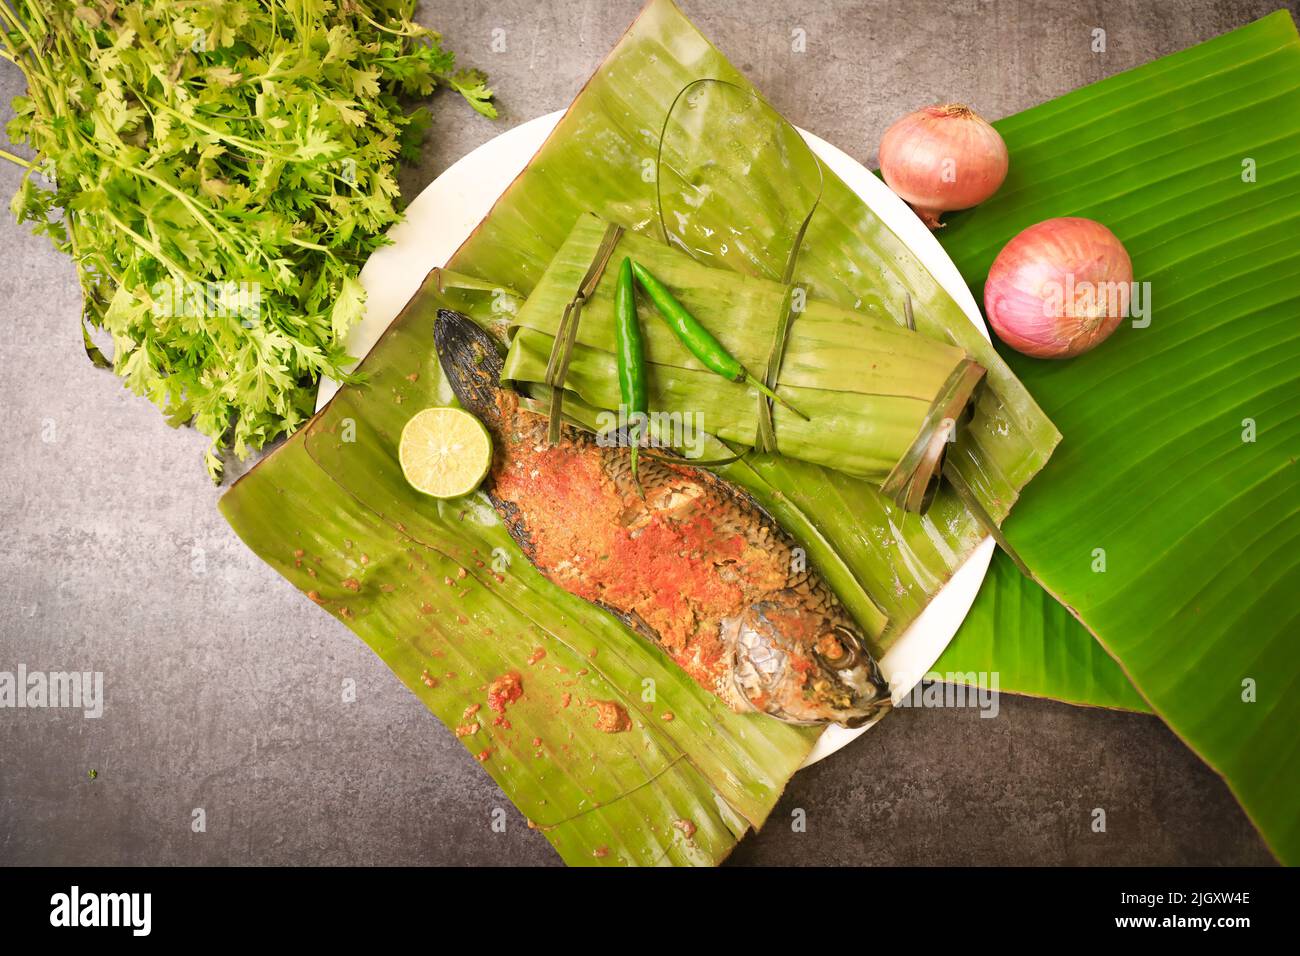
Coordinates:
[447,211]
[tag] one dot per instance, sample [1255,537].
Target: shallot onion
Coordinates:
[942,158]
[1059,288]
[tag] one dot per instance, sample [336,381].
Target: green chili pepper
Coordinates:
[631,360]
[698,340]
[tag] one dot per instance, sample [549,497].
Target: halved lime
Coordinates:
[445,452]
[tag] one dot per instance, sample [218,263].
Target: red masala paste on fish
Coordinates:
[672,559]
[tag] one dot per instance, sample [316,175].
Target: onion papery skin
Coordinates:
[1027,295]
[914,151]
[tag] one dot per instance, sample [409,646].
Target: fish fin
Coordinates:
[634,621]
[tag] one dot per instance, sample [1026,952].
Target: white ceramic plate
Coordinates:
[446,212]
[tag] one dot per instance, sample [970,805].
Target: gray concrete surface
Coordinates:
[222,681]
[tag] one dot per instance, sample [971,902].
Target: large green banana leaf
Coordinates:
[1178,463]
[334,492]
[1036,647]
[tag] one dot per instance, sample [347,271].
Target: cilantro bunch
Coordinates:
[219,170]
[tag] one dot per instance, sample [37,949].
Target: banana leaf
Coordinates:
[441,593]
[1169,520]
[334,493]
[1036,647]
[871,391]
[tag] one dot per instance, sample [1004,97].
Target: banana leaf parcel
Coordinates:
[877,395]
[442,595]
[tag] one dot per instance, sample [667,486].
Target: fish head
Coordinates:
[801,668]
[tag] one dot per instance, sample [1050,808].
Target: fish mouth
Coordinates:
[859,670]
[835,681]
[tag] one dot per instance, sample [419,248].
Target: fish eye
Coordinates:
[838,649]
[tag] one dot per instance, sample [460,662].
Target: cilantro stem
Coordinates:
[415,30]
[152,247]
[5,154]
[21,27]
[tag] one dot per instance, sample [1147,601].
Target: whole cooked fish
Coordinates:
[695,565]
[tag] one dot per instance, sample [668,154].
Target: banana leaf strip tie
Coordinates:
[971,501]
[875,391]
[557,366]
[765,440]
[766,436]
[585,423]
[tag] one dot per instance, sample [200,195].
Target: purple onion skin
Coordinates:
[941,158]
[1027,296]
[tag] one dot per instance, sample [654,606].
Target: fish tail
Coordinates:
[472,363]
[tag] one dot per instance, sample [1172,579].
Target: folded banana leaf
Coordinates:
[1169,521]
[873,391]
[330,510]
